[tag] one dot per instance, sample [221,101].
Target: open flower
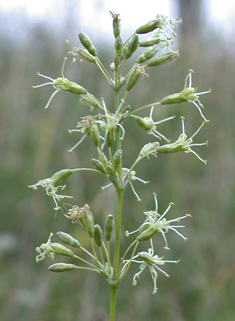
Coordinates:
[61,83]
[45,248]
[50,185]
[183,144]
[149,125]
[153,262]
[155,223]
[187,94]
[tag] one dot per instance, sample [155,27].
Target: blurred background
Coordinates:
[34,144]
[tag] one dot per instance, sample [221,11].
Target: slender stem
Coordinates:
[113,299]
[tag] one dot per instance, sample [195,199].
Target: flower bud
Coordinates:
[148,149]
[147,54]
[145,124]
[150,41]
[98,165]
[98,235]
[117,157]
[130,47]
[61,249]
[150,26]
[109,137]
[103,160]
[89,221]
[85,54]
[60,176]
[61,267]
[163,58]
[118,43]
[87,43]
[68,239]
[95,134]
[133,77]
[111,171]
[146,234]
[116,24]
[91,101]
[108,227]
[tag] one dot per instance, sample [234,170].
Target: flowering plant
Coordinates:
[106,128]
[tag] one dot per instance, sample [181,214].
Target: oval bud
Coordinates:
[61,267]
[118,43]
[109,137]
[95,134]
[91,101]
[150,148]
[89,221]
[133,77]
[130,47]
[163,58]
[150,41]
[145,124]
[147,54]
[116,24]
[85,54]
[76,89]
[87,43]
[61,249]
[68,239]
[98,165]
[173,99]
[146,234]
[117,157]
[108,227]
[111,171]
[149,26]
[103,160]
[60,176]
[98,235]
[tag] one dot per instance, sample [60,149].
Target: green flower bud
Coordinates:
[98,165]
[61,249]
[117,157]
[87,43]
[150,41]
[95,134]
[130,47]
[91,101]
[133,77]
[98,235]
[145,124]
[146,234]
[118,43]
[116,24]
[147,54]
[61,267]
[60,176]
[65,84]
[89,221]
[109,137]
[103,160]
[148,149]
[163,58]
[108,227]
[111,171]
[85,54]
[150,26]
[68,239]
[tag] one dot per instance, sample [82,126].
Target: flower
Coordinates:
[155,222]
[45,248]
[153,262]
[187,94]
[61,83]
[50,185]
[149,125]
[183,144]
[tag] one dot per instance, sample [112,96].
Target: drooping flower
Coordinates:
[61,83]
[50,185]
[189,94]
[156,223]
[183,144]
[153,262]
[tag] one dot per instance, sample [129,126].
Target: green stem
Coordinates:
[113,299]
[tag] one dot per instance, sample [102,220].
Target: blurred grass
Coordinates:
[34,145]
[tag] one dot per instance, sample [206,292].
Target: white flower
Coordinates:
[45,248]
[153,262]
[155,223]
